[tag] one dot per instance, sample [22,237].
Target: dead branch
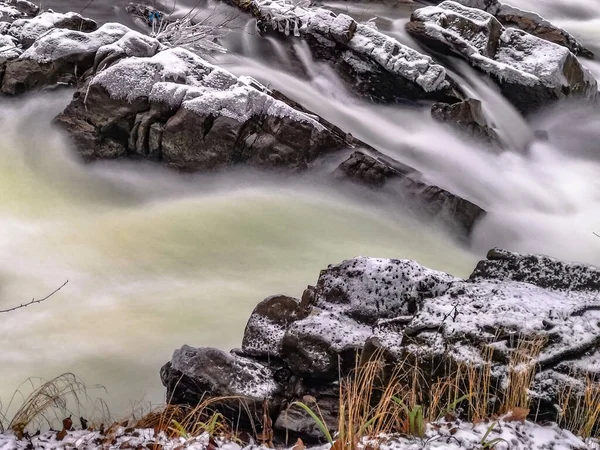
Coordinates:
[24,305]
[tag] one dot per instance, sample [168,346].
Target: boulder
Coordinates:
[409,312]
[243,384]
[191,115]
[374,65]
[531,72]
[530,22]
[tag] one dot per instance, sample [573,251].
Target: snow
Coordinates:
[376,288]
[9,48]
[504,11]
[62,43]
[521,58]
[32,29]
[179,78]
[361,38]
[439,435]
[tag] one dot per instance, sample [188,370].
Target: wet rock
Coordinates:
[405,185]
[467,116]
[374,65]
[531,72]
[367,170]
[531,23]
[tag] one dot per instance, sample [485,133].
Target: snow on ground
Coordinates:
[443,435]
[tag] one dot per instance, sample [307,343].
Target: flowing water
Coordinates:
[155,259]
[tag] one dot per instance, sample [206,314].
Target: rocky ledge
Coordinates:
[293,348]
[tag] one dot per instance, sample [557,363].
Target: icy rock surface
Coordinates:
[529,70]
[530,22]
[53,49]
[358,51]
[28,30]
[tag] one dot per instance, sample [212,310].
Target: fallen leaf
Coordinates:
[516,415]
[61,435]
[67,424]
[299,445]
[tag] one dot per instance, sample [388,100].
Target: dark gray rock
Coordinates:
[28,30]
[204,119]
[62,56]
[510,57]
[466,116]
[404,185]
[268,322]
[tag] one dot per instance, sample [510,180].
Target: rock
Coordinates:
[366,305]
[193,373]
[543,271]
[11,10]
[202,117]
[63,56]
[28,30]
[267,325]
[530,71]
[374,65]
[404,185]
[531,23]
[467,116]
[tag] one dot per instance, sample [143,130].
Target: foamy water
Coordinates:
[155,259]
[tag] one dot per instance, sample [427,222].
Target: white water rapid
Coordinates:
[155,259]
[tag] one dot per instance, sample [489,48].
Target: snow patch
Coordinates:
[177,77]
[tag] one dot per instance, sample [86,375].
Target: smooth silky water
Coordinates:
[156,259]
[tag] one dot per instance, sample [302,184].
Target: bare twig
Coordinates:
[24,305]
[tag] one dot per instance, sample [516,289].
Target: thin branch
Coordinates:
[24,305]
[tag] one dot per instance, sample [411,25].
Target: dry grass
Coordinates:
[48,403]
[374,400]
[187,421]
[580,408]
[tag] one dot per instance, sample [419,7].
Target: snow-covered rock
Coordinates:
[374,64]
[530,22]
[177,107]
[434,319]
[11,10]
[61,55]
[530,71]
[28,30]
